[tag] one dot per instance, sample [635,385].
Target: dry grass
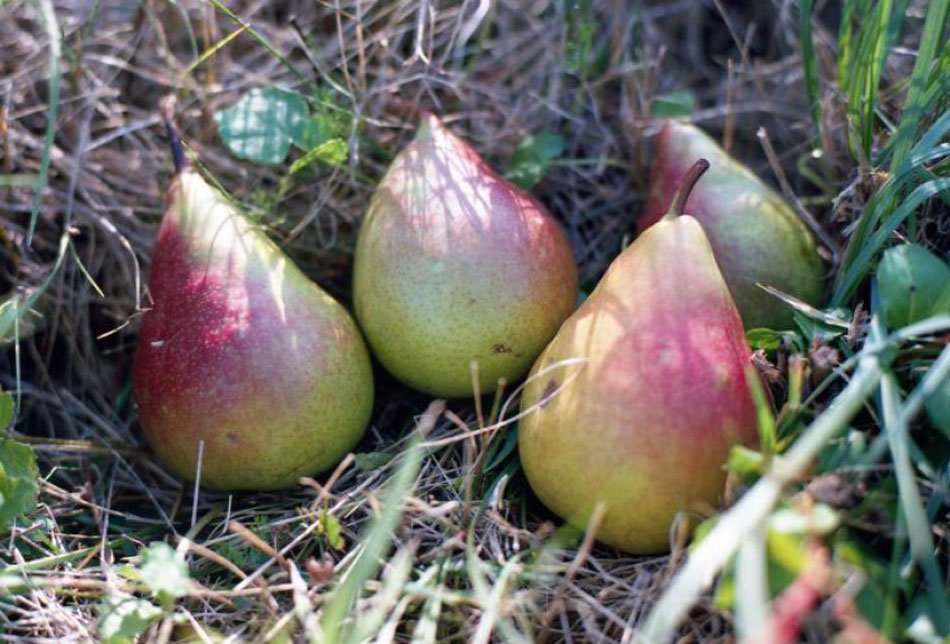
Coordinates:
[496,78]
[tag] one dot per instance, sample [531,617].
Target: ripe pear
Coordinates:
[754,233]
[455,264]
[641,394]
[242,352]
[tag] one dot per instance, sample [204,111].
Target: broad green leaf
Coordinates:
[164,573]
[679,103]
[18,474]
[532,157]
[262,124]
[913,285]
[333,152]
[122,618]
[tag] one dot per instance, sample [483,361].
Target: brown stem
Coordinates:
[686,186]
[166,108]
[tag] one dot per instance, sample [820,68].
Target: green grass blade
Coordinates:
[379,535]
[846,43]
[809,61]
[266,44]
[860,266]
[752,602]
[52,111]
[919,98]
[860,75]
[911,504]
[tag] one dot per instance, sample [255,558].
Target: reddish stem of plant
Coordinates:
[686,186]
[167,110]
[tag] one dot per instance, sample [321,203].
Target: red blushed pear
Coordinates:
[638,399]
[241,353]
[754,233]
[454,264]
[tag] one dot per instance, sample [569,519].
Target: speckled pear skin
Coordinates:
[637,400]
[755,234]
[242,351]
[456,264]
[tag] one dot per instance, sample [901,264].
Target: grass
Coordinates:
[429,532]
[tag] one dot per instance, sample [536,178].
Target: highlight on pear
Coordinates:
[456,266]
[247,375]
[639,397]
[756,236]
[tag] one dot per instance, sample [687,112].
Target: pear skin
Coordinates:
[755,234]
[455,264]
[243,353]
[641,394]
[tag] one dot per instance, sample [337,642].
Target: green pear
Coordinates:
[242,360]
[755,234]
[638,399]
[454,264]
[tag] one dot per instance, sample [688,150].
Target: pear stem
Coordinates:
[686,186]
[167,110]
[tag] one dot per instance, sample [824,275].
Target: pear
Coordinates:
[639,397]
[756,236]
[242,360]
[454,264]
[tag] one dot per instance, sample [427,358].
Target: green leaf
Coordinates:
[123,617]
[767,339]
[826,326]
[18,474]
[164,573]
[676,104]
[532,157]
[261,125]
[745,461]
[369,461]
[7,407]
[913,285]
[329,526]
[333,152]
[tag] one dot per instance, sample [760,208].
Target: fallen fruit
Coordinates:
[639,397]
[754,233]
[454,264]
[243,363]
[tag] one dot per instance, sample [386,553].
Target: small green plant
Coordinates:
[162,575]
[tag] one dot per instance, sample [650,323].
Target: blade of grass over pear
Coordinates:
[749,513]
[377,540]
